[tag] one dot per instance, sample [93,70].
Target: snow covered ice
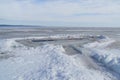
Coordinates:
[91,59]
[107,56]
[44,63]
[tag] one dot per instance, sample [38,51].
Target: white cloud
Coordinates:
[61,10]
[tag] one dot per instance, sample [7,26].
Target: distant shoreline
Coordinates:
[39,26]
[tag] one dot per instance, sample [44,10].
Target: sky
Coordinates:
[69,13]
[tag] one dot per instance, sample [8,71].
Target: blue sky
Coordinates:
[73,13]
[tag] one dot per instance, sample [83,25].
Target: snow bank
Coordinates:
[45,62]
[8,45]
[60,36]
[100,43]
[108,57]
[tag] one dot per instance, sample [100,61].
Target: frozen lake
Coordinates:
[11,32]
[59,53]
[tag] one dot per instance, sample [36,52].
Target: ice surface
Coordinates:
[46,62]
[101,52]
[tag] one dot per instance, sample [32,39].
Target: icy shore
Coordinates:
[48,62]
[100,51]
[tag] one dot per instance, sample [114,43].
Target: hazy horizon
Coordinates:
[43,26]
[77,13]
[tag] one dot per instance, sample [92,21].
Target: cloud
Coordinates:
[80,11]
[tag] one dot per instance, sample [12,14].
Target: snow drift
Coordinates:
[47,62]
[100,51]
